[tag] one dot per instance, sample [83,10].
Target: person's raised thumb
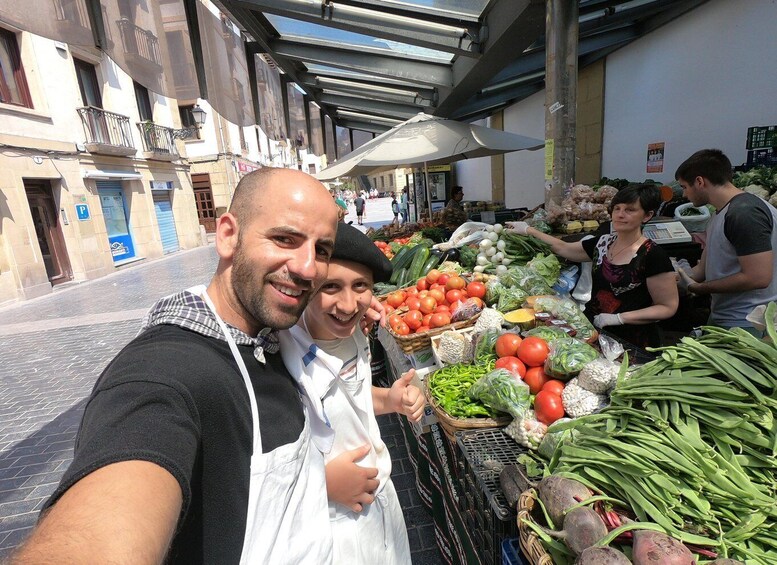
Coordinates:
[407,378]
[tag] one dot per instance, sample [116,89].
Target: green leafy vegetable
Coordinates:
[502,391]
[547,266]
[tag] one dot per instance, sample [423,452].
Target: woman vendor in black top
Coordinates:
[633,280]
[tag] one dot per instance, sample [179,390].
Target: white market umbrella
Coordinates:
[427,140]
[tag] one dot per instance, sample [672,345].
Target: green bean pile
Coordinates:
[690,441]
[450,384]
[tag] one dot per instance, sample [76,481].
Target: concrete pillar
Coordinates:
[561,32]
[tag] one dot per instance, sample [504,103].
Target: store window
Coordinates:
[13,84]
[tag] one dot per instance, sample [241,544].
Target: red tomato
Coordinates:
[476,289]
[554,386]
[402,328]
[426,319]
[478,301]
[428,304]
[443,279]
[512,364]
[393,320]
[413,303]
[412,291]
[453,295]
[438,295]
[507,345]
[548,407]
[455,283]
[422,293]
[442,308]
[432,276]
[455,305]
[533,351]
[413,319]
[395,299]
[440,319]
[536,379]
[422,284]
[389,309]
[436,286]
[423,329]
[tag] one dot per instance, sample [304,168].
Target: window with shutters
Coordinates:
[13,84]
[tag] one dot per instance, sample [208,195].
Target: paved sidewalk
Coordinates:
[53,348]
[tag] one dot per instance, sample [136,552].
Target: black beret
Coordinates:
[352,245]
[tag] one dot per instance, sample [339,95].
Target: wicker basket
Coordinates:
[530,543]
[451,424]
[417,342]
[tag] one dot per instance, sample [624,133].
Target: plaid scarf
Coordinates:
[189,311]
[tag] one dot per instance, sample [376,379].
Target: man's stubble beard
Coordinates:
[249,292]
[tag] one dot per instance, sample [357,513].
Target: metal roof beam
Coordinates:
[418,96]
[364,126]
[402,111]
[455,39]
[361,77]
[404,99]
[512,26]
[379,65]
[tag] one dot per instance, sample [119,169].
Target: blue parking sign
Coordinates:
[82,211]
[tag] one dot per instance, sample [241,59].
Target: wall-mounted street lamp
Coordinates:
[198,115]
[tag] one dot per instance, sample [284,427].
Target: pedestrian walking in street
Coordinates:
[360,205]
[327,347]
[195,446]
[403,205]
[395,209]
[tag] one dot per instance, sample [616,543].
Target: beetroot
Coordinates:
[655,548]
[583,528]
[558,494]
[602,556]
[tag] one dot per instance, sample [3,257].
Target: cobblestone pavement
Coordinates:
[53,348]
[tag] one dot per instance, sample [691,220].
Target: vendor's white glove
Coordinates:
[683,281]
[517,227]
[604,320]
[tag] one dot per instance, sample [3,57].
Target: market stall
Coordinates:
[678,443]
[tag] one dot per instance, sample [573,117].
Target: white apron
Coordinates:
[377,534]
[287,520]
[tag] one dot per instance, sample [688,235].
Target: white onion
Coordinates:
[497,257]
[506,261]
[498,228]
[493,236]
[501,269]
[486,243]
[489,228]
[500,245]
[482,260]
[490,252]
[478,269]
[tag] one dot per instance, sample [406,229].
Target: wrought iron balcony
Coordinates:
[159,141]
[140,45]
[106,132]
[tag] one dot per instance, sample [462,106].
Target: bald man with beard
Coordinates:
[195,444]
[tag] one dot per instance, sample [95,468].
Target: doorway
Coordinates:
[203,196]
[48,231]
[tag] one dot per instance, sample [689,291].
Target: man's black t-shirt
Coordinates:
[176,398]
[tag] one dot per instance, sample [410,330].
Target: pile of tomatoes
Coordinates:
[431,302]
[385,248]
[525,358]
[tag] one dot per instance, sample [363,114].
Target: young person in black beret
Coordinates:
[328,349]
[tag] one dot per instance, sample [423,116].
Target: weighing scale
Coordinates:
[667,232]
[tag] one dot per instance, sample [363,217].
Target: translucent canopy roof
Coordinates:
[372,63]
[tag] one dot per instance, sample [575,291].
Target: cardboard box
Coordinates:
[422,359]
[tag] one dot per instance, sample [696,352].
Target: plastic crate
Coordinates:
[511,553]
[762,157]
[486,512]
[761,136]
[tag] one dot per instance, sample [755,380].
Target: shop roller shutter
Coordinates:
[166,221]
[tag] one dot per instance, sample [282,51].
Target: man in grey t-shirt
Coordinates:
[737,268]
